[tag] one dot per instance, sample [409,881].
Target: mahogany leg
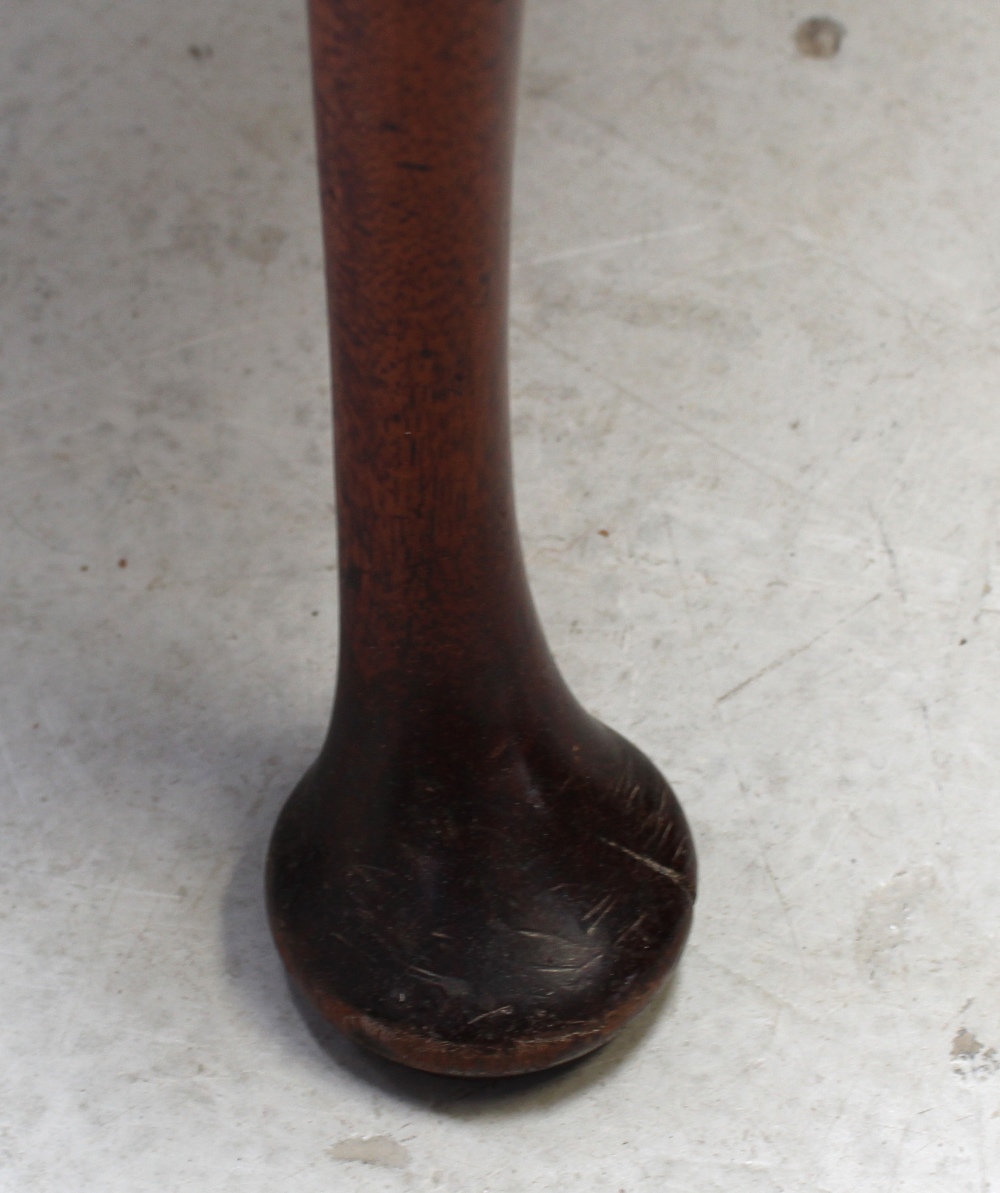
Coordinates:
[475,876]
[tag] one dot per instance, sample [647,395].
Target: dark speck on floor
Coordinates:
[819,37]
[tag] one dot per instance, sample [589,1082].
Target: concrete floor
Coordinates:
[756,341]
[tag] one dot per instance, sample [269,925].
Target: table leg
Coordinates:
[475,877]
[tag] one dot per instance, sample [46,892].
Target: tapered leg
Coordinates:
[475,877]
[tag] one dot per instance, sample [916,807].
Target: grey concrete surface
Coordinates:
[756,368]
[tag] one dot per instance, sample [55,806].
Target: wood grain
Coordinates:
[475,877]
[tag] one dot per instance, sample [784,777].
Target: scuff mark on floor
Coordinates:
[382,1151]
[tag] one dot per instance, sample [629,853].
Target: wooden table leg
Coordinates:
[475,877]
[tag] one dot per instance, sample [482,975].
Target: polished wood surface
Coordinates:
[475,877]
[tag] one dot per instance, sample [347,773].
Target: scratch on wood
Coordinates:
[598,912]
[577,967]
[532,935]
[666,872]
[631,928]
[599,909]
[490,1014]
